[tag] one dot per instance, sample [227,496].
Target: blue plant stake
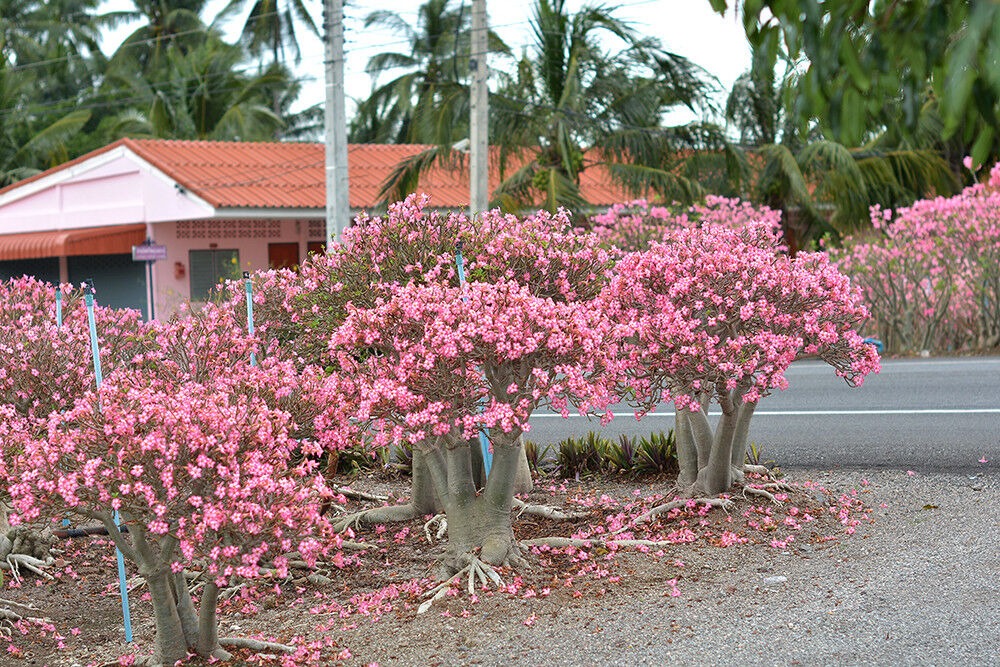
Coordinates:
[484,442]
[95,349]
[65,522]
[249,287]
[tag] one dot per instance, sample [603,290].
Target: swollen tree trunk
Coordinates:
[711,461]
[423,496]
[185,609]
[208,625]
[171,644]
[687,452]
[477,521]
[741,437]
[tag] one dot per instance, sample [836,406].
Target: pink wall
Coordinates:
[116,189]
[172,276]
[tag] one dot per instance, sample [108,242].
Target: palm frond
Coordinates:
[404,178]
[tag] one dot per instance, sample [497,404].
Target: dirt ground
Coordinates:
[362,608]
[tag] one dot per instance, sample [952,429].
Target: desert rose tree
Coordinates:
[192,447]
[931,272]
[637,224]
[716,315]
[437,363]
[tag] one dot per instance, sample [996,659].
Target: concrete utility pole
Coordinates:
[479,120]
[338,212]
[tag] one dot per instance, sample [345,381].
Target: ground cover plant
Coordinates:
[214,463]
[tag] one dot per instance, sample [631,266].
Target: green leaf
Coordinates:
[849,58]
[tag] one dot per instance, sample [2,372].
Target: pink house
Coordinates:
[212,209]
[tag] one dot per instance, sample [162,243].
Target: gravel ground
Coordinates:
[918,586]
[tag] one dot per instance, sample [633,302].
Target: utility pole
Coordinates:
[479,119]
[338,212]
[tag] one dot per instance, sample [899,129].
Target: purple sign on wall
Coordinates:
[148,252]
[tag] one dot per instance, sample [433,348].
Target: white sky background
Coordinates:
[686,27]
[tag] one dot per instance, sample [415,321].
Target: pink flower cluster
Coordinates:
[716,307]
[185,439]
[931,272]
[637,224]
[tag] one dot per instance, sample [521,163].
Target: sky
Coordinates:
[686,27]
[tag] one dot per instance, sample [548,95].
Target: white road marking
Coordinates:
[805,413]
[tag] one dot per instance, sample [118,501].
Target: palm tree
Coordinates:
[166,24]
[269,29]
[821,185]
[50,64]
[428,102]
[202,94]
[30,143]
[270,26]
[571,106]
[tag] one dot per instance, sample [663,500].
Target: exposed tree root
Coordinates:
[547,512]
[765,472]
[14,563]
[589,543]
[763,493]
[442,522]
[724,503]
[475,570]
[386,514]
[8,617]
[360,495]
[255,644]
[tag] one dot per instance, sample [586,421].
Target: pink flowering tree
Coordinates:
[45,368]
[637,224]
[412,245]
[438,363]
[716,315]
[196,451]
[931,272]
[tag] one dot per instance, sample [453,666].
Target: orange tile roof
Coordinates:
[291,175]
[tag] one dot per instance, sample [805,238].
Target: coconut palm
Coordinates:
[571,105]
[270,26]
[165,24]
[202,94]
[30,143]
[428,103]
[819,184]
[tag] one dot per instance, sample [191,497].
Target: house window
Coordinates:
[209,268]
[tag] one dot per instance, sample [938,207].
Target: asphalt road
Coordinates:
[917,414]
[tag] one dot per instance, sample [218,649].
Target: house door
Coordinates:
[119,282]
[282,255]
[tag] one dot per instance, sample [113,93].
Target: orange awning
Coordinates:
[116,240]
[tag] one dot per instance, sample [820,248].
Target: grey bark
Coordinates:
[687,452]
[480,521]
[741,438]
[208,625]
[185,609]
[710,460]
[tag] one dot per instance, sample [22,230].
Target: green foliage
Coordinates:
[594,455]
[656,454]
[172,77]
[755,456]
[402,459]
[538,459]
[590,90]
[580,457]
[867,67]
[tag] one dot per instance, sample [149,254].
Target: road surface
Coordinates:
[919,414]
